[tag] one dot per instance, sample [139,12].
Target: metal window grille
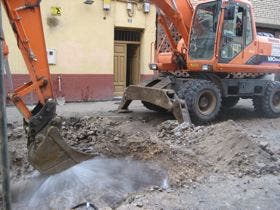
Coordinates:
[125,35]
[163,44]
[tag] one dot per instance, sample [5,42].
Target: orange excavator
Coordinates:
[218,59]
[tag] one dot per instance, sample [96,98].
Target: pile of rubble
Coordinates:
[185,152]
[223,147]
[105,137]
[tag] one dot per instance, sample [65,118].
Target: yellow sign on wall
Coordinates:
[106,4]
[56,11]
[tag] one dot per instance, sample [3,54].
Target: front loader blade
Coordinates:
[165,98]
[50,154]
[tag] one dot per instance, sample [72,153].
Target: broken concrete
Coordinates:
[196,160]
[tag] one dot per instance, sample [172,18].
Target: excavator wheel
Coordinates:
[271,100]
[154,107]
[229,102]
[203,99]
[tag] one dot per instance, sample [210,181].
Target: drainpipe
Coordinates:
[3,129]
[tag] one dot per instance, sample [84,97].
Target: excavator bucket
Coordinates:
[50,154]
[156,92]
[47,151]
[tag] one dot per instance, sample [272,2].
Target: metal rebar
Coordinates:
[3,128]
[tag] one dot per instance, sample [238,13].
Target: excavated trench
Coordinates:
[136,154]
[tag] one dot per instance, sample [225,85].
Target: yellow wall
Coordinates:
[84,40]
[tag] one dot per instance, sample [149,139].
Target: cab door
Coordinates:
[237,36]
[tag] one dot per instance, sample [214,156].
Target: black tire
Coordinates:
[271,100]
[203,99]
[257,103]
[153,107]
[229,102]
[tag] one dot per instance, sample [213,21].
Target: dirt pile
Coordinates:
[223,147]
[107,137]
[186,152]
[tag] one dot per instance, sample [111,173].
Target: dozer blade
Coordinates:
[50,154]
[165,98]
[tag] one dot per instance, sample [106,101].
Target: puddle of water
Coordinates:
[97,181]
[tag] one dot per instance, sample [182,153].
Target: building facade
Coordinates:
[94,51]
[267,16]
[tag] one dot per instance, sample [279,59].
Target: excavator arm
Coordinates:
[47,151]
[25,19]
[179,12]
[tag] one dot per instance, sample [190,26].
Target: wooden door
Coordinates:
[135,66]
[120,52]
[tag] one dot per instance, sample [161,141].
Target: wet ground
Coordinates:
[231,164]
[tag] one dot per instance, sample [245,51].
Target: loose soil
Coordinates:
[188,155]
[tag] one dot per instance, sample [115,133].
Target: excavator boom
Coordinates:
[179,12]
[47,151]
[31,43]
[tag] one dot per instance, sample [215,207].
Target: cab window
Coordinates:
[249,29]
[203,32]
[232,37]
[237,32]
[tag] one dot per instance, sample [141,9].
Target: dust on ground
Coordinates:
[199,161]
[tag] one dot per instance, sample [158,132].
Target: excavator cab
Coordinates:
[206,20]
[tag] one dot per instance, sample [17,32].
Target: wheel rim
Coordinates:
[276,100]
[207,102]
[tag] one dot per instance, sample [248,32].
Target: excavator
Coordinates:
[218,59]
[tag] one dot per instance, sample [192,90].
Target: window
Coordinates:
[233,34]
[203,32]
[249,31]
[125,35]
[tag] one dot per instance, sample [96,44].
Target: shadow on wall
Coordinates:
[52,21]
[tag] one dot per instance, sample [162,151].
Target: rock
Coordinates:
[263,144]
[131,199]
[116,138]
[139,204]
[156,188]
[18,135]
[10,134]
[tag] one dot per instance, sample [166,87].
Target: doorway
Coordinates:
[132,67]
[126,60]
